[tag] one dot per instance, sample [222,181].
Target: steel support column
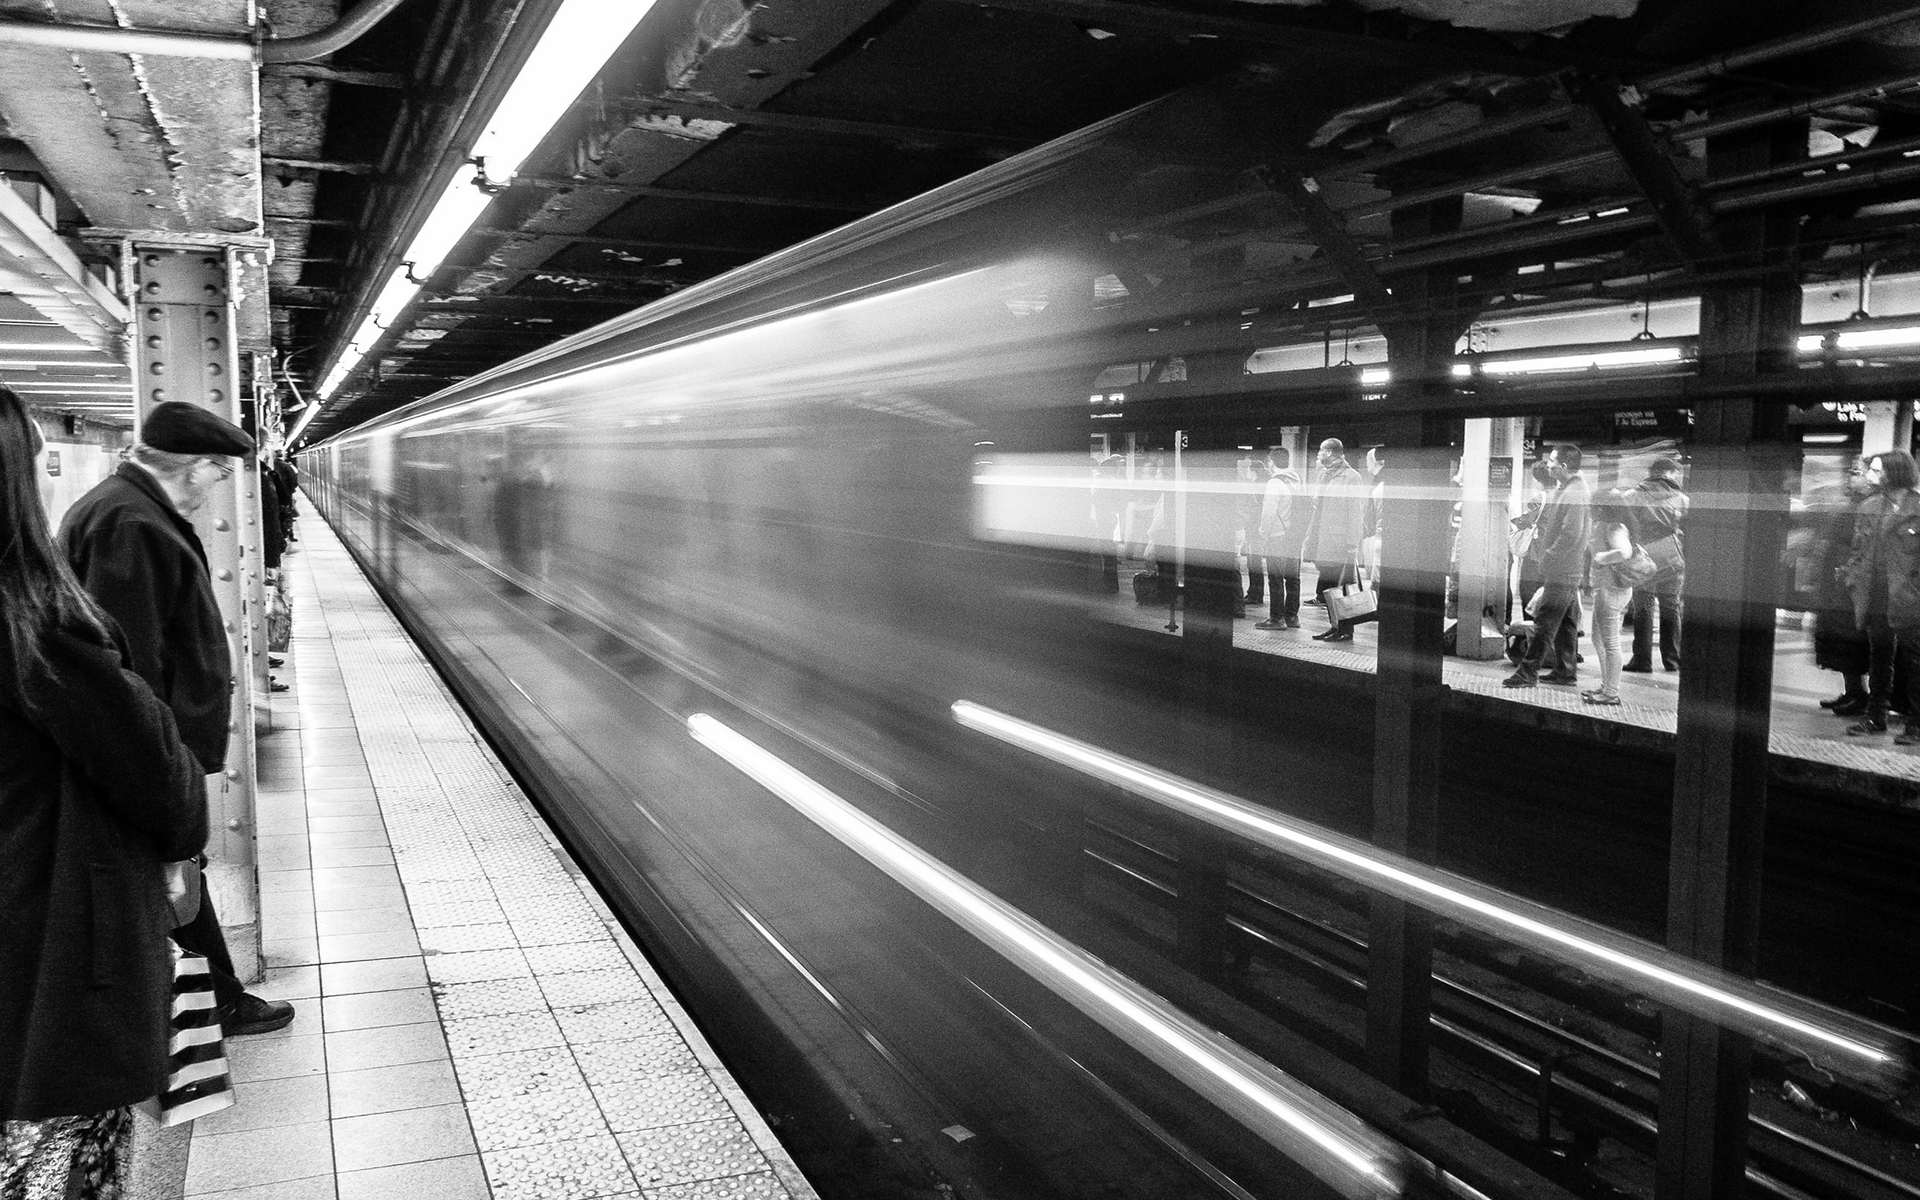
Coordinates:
[1409,697]
[185,346]
[1737,530]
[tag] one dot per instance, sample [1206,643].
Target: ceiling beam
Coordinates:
[272,162]
[1648,159]
[324,74]
[661,193]
[905,135]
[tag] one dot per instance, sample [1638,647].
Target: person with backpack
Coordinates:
[1659,509]
[1279,547]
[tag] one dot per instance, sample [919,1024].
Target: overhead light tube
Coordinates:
[571,52]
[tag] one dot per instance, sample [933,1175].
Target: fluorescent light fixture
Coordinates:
[1838,1039]
[14,364]
[1601,360]
[1351,1157]
[306,419]
[571,52]
[1823,439]
[1375,376]
[44,348]
[1863,339]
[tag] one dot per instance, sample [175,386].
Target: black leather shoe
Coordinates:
[1520,679]
[1847,706]
[1567,677]
[251,1014]
[1638,668]
[1672,664]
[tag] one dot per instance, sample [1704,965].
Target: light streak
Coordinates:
[1661,974]
[1353,1158]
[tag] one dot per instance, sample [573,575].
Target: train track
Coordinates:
[1557,1071]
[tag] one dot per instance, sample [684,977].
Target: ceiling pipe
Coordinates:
[109,39]
[1712,68]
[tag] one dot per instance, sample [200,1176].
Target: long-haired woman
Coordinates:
[1884,576]
[96,793]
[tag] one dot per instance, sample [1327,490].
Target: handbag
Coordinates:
[1666,553]
[1355,607]
[1520,540]
[197,1081]
[182,881]
[1638,569]
[279,623]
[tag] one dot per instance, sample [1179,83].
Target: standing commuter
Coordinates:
[1561,549]
[1610,545]
[1277,541]
[1838,643]
[1109,505]
[96,793]
[129,542]
[1660,510]
[1884,575]
[1336,527]
[289,478]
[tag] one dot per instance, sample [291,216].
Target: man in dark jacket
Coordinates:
[129,542]
[1659,509]
[1335,529]
[1560,547]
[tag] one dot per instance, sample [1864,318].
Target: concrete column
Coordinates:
[185,347]
[1490,489]
[1889,426]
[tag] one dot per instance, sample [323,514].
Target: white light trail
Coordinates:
[1837,1038]
[1337,1147]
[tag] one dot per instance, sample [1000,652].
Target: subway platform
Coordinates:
[472,1021]
[1799,729]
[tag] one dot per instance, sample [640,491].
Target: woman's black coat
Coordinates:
[96,792]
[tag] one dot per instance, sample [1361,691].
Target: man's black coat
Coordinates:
[142,561]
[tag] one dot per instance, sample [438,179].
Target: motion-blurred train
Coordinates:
[795,600]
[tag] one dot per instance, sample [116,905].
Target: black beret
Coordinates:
[181,428]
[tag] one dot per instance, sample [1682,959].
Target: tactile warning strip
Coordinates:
[581,1076]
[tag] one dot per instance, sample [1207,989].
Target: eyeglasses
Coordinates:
[226,472]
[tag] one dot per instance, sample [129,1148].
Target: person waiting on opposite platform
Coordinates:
[1276,540]
[1659,510]
[129,542]
[1610,545]
[1560,546]
[1838,643]
[96,793]
[1336,527]
[1884,576]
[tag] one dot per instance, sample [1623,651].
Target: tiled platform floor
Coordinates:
[471,1020]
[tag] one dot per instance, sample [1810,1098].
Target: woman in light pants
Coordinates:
[1611,545]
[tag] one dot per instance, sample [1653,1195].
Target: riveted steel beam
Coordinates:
[185,338]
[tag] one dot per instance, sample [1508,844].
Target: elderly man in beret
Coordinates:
[130,543]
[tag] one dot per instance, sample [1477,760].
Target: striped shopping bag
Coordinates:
[197,1082]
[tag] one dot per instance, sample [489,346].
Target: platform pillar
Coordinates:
[1491,463]
[1740,464]
[187,305]
[1409,697]
[1889,426]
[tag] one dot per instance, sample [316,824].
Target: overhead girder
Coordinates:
[1649,160]
[772,48]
